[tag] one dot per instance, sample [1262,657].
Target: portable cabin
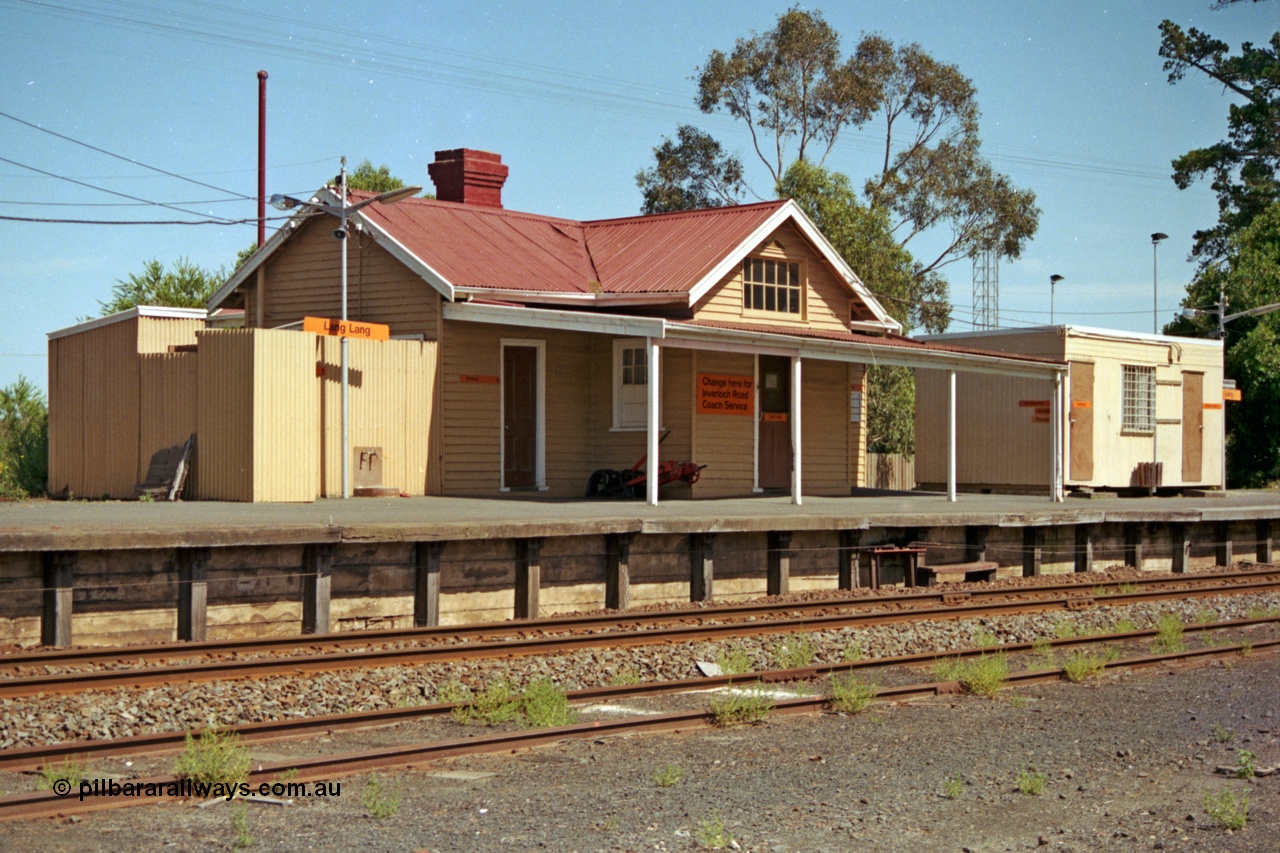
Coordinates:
[1132,400]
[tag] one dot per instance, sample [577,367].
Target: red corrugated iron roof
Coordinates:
[475,246]
[888,340]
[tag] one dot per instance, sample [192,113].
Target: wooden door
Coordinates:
[1081,421]
[774,454]
[1192,427]
[519,417]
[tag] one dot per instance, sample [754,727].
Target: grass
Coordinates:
[668,775]
[1064,629]
[793,652]
[1227,810]
[982,676]
[1082,665]
[71,771]
[711,833]
[734,660]
[240,824]
[739,707]
[1042,649]
[1263,612]
[953,787]
[1127,588]
[625,677]
[540,705]
[1031,782]
[851,694]
[852,652]
[1246,764]
[545,705]
[984,639]
[1169,629]
[379,800]
[1246,648]
[1017,700]
[1222,734]
[215,758]
[1204,616]
[1124,626]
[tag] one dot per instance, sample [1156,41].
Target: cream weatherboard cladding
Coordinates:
[1000,444]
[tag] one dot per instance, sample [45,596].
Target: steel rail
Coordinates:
[80,681]
[73,656]
[45,755]
[50,804]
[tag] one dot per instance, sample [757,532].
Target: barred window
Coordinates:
[1138,403]
[771,286]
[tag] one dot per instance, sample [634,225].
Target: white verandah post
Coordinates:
[795,432]
[653,357]
[951,436]
[1056,424]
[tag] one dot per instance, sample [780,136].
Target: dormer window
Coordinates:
[772,286]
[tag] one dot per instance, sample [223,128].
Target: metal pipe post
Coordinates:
[346,391]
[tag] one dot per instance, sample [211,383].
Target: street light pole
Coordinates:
[343,210]
[1155,281]
[1053,283]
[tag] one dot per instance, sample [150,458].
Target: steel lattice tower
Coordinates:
[986,290]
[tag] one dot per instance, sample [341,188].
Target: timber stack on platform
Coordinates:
[114,573]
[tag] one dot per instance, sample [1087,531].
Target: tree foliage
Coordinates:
[186,285]
[1242,167]
[373,179]
[690,173]
[795,93]
[1249,274]
[24,440]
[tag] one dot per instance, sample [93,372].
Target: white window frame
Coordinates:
[1137,399]
[620,423]
[801,289]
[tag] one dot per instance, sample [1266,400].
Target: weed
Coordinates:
[1246,764]
[851,694]
[1127,588]
[1064,629]
[610,823]
[1246,648]
[240,823]
[1017,700]
[1169,630]
[793,652]
[454,692]
[1110,653]
[290,775]
[214,758]
[711,833]
[1222,734]
[1204,616]
[379,801]
[668,775]
[625,677]
[1227,810]
[1263,612]
[71,771]
[984,639]
[953,786]
[544,705]
[734,660]
[499,703]
[148,498]
[1042,647]
[741,706]
[947,669]
[1081,666]
[985,675]
[1124,626]
[851,652]
[1031,782]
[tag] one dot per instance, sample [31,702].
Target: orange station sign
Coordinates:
[719,394]
[347,329]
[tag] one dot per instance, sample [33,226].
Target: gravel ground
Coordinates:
[1127,762]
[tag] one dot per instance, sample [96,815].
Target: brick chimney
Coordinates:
[469,176]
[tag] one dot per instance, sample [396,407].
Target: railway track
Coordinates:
[706,626]
[949,594]
[48,803]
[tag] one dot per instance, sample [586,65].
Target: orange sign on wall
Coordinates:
[1081,404]
[719,394]
[1033,404]
[477,379]
[347,329]
[1213,405]
[1232,394]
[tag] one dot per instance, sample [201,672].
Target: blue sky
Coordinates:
[574,96]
